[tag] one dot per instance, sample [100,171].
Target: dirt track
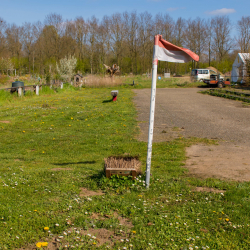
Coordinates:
[184,112]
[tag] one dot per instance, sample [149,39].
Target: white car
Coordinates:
[198,75]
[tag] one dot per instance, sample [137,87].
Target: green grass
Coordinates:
[55,144]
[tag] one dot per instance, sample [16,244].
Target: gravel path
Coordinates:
[185,112]
[193,114]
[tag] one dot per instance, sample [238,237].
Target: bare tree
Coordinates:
[196,35]
[81,32]
[92,39]
[14,45]
[2,36]
[179,29]
[117,32]
[28,38]
[222,41]
[104,37]
[243,39]
[145,39]
[165,26]
[131,20]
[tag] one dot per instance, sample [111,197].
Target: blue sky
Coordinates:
[20,11]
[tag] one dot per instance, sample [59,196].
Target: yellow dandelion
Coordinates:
[134,232]
[72,118]
[69,125]
[227,219]
[43,152]
[52,125]
[35,210]
[23,131]
[39,244]
[94,243]
[53,138]
[46,228]
[44,244]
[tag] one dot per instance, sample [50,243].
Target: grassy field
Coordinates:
[172,82]
[52,152]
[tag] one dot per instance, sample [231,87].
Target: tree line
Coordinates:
[125,39]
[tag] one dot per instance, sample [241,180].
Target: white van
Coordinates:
[198,75]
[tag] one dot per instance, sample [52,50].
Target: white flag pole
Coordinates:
[151,115]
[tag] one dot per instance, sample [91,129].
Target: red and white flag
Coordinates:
[166,51]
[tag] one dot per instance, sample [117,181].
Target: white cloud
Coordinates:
[223,11]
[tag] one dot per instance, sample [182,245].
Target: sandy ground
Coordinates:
[187,113]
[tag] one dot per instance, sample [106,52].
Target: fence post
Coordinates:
[37,89]
[20,91]
[61,85]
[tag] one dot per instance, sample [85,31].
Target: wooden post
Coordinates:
[61,85]
[37,89]
[20,91]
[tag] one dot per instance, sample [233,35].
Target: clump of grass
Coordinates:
[5,96]
[100,81]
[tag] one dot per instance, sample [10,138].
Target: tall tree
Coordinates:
[145,30]
[179,31]
[28,37]
[243,27]
[2,36]
[131,20]
[14,45]
[92,40]
[222,41]
[196,35]
[117,31]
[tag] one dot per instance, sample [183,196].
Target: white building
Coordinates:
[239,70]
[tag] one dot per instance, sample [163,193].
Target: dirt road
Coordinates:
[187,113]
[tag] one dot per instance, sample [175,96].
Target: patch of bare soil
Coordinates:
[86,192]
[52,245]
[208,190]
[5,121]
[103,235]
[225,161]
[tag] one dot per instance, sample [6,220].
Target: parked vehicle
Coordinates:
[198,75]
[216,81]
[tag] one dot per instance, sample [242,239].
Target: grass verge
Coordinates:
[52,154]
[173,82]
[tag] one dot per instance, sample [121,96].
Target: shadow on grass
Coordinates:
[69,163]
[204,86]
[105,101]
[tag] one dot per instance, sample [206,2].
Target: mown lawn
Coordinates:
[52,152]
